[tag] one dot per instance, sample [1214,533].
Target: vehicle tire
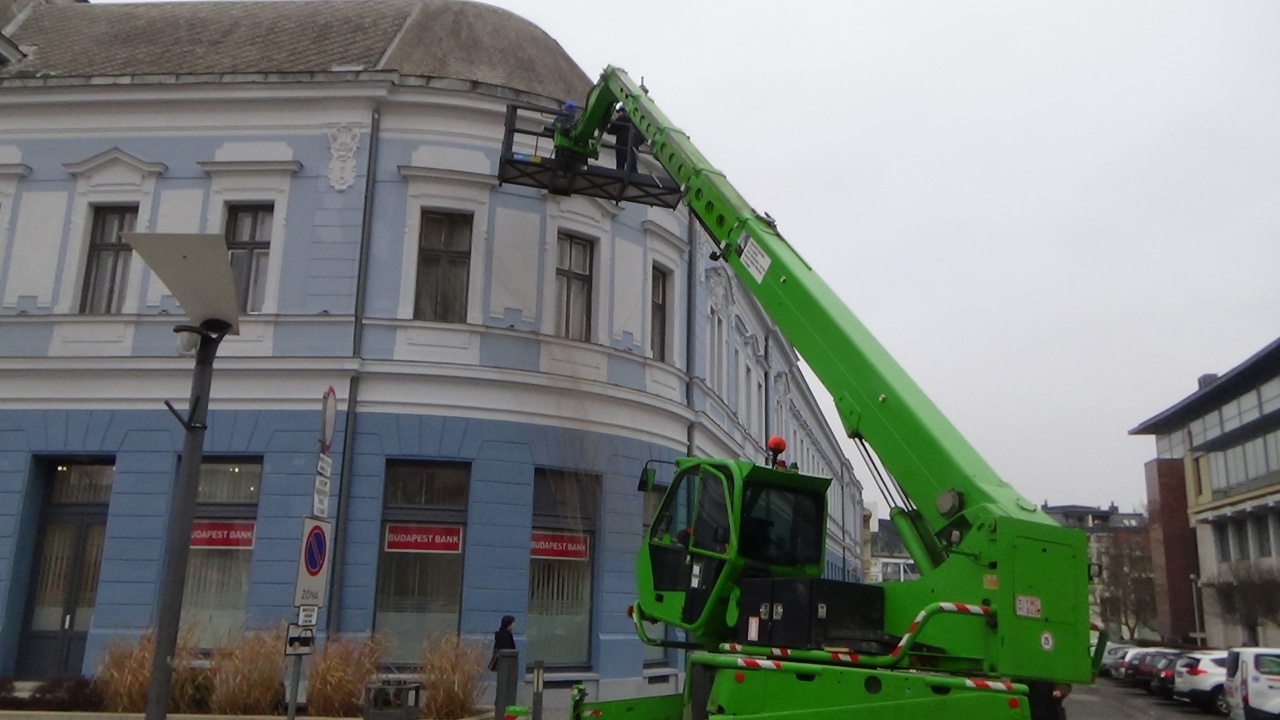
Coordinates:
[1218,703]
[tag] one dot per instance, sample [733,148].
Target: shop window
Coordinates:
[222,539]
[561,567]
[419,593]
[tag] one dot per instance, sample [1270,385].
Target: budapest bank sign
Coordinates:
[559,546]
[224,534]
[423,538]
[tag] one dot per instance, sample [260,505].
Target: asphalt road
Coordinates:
[1109,700]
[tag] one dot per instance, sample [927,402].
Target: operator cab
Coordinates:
[721,522]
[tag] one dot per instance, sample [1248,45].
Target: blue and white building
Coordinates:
[505,361]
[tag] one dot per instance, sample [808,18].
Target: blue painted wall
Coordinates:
[145,447]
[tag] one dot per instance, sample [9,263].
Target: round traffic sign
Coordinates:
[328,418]
[316,547]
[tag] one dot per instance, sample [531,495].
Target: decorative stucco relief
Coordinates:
[343,142]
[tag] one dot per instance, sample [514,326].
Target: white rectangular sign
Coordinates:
[320,497]
[313,563]
[300,640]
[308,615]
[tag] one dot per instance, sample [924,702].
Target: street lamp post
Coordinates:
[1195,608]
[195,268]
[181,513]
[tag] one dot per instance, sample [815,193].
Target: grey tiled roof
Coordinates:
[435,38]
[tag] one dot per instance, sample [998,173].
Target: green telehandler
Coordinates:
[997,624]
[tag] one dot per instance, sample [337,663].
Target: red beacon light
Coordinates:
[776,446]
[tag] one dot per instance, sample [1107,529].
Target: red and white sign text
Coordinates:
[423,538]
[559,546]
[225,534]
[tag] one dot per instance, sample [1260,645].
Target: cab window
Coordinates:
[695,512]
[781,526]
[1267,664]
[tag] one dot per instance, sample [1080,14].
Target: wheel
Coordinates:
[1218,703]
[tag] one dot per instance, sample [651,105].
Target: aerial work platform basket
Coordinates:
[529,159]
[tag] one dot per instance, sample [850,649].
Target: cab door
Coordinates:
[689,547]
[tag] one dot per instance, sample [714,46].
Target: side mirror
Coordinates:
[1095,572]
[647,478]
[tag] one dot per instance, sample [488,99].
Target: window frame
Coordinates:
[426,514]
[587,523]
[255,244]
[659,307]
[569,276]
[443,254]
[229,510]
[120,252]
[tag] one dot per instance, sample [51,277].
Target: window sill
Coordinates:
[656,672]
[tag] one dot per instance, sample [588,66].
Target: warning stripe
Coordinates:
[780,652]
[996,685]
[759,664]
[962,608]
[844,657]
[731,647]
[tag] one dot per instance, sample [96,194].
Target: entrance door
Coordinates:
[65,587]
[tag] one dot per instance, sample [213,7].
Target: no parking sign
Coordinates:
[313,563]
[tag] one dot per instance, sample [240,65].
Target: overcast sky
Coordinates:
[1056,217]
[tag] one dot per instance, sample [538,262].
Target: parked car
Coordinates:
[1162,683]
[1252,686]
[1121,667]
[1113,656]
[1198,679]
[1142,668]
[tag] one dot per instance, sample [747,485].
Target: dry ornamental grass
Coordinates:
[339,674]
[125,675]
[248,674]
[453,672]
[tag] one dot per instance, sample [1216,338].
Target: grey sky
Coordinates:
[1055,216]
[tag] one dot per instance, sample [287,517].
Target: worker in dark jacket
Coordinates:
[628,140]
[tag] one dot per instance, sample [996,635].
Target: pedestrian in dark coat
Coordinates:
[502,639]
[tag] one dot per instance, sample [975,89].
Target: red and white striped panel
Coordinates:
[844,657]
[731,647]
[593,713]
[780,652]
[759,664]
[997,685]
[962,608]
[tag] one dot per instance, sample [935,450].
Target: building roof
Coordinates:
[455,39]
[1264,365]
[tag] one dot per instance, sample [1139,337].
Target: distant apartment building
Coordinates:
[1221,445]
[889,560]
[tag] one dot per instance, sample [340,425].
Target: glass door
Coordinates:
[65,577]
